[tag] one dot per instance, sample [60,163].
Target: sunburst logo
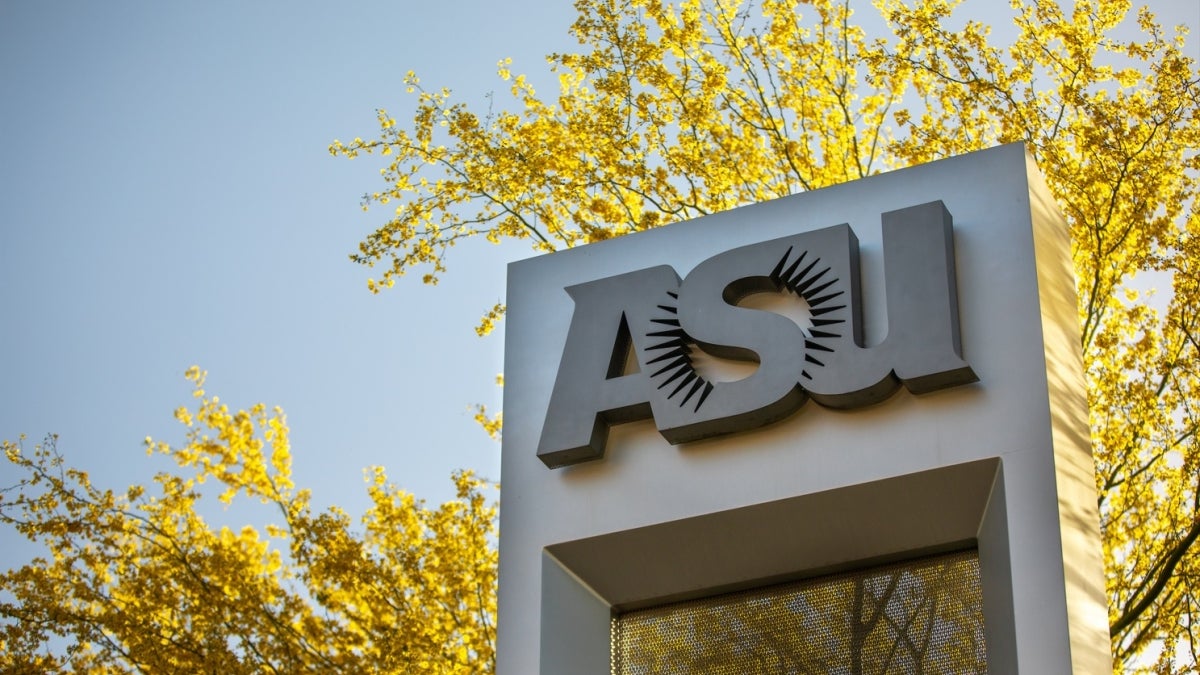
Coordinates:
[817,306]
[751,333]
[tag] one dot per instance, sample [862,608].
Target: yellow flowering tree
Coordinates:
[139,582]
[672,111]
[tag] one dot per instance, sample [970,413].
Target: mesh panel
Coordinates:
[921,616]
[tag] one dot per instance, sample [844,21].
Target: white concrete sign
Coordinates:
[657,445]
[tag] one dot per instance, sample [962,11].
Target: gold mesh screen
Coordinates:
[921,616]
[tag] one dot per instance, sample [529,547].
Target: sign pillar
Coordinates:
[823,389]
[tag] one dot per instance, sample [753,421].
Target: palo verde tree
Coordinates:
[672,111]
[139,582]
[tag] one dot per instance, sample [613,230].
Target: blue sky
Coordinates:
[166,199]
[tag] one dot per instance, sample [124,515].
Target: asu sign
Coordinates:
[722,328]
[669,323]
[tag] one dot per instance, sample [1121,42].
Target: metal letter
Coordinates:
[922,348]
[590,392]
[815,268]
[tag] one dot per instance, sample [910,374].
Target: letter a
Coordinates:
[591,393]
